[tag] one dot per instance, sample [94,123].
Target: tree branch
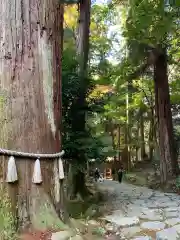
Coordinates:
[153,55]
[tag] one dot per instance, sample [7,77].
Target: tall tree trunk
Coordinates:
[168,163]
[112,132]
[152,134]
[119,143]
[151,139]
[30,80]
[123,146]
[128,123]
[79,114]
[142,136]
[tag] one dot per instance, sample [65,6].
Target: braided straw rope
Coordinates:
[30,155]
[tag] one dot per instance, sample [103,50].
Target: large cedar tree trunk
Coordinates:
[141,123]
[119,143]
[79,113]
[113,131]
[30,86]
[168,163]
[152,134]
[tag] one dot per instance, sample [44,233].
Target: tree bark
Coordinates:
[143,153]
[30,80]
[168,163]
[152,134]
[128,123]
[79,106]
[151,139]
[119,143]
[123,146]
[113,129]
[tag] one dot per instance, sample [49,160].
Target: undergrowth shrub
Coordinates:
[178,182]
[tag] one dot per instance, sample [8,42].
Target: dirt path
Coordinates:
[141,213]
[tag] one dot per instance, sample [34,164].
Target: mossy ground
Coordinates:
[84,209]
[7,221]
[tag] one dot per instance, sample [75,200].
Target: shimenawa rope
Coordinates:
[30,155]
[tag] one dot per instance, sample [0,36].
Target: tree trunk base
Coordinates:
[42,211]
[79,186]
[36,206]
[36,211]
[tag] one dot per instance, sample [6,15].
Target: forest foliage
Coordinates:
[122,37]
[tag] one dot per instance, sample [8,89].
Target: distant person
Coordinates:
[120,173]
[101,178]
[91,173]
[96,174]
[113,174]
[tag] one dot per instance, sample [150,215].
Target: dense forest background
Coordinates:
[131,88]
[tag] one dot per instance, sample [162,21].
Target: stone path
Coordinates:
[139,213]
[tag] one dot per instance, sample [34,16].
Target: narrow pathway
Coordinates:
[139,213]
